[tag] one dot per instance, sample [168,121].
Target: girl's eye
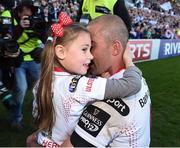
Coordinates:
[84,49]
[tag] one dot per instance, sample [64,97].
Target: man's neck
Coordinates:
[117,66]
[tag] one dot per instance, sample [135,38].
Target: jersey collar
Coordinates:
[118,74]
[58,69]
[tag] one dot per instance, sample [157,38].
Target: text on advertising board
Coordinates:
[141,49]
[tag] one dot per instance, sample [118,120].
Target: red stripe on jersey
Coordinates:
[58,69]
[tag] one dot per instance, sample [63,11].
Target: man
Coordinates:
[113,122]
[28,66]
[8,52]
[90,9]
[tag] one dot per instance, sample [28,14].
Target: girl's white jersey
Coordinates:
[71,93]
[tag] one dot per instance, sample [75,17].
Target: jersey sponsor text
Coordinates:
[93,119]
[89,84]
[143,100]
[119,105]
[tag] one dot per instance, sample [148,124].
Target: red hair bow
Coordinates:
[63,20]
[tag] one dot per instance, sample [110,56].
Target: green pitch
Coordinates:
[163,77]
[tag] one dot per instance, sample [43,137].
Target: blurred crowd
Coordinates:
[155,20]
[149,19]
[51,8]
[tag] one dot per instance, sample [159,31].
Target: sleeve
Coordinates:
[18,30]
[121,10]
[129,85]
[101,88]
[87,88]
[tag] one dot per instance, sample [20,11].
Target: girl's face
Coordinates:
[76,56]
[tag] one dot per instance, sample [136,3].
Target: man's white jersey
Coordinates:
[121,122]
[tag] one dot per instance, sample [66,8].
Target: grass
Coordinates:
[164,82]
[10,137]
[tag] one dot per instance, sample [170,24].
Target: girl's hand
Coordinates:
[105,75]
[127,57]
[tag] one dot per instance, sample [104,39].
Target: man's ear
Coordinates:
[60,51]
[117,47]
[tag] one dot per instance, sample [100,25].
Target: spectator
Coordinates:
[28,66]
[54,10]
[7,54]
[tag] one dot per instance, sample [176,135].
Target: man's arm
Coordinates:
[17,31]
[67,143]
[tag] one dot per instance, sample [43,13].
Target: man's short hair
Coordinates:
[113,28]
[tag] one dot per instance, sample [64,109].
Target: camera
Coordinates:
[38,25]
[8,46]
[35,21]
[5,26]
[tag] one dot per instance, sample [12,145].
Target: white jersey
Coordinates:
[72,92]
[117,122]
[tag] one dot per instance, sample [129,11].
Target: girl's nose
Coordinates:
[90,56]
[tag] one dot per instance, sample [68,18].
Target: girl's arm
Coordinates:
[119,87]
[128,85]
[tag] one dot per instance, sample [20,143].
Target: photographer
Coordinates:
[8,53]
[28,67]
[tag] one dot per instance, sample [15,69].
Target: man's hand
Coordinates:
[31,141]
[25,23]
[66,143]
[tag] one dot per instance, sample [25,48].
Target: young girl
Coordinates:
[63,90]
